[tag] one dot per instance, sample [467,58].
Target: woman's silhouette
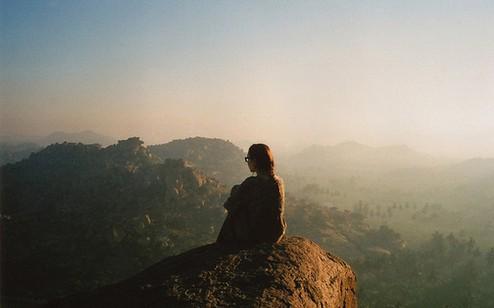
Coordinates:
[256,207]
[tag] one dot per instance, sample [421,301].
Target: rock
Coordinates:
[295,273]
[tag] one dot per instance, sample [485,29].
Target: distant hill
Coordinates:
[10,153]
[468,183]
[86,137]
[472,168]
[352,157]
[469,172]
[218,158]
[16,148]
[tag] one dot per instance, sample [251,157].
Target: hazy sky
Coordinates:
[419,73]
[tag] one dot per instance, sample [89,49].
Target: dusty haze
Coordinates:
[289,74]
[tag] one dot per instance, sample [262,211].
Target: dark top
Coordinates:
[255,211]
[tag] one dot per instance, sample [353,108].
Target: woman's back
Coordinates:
[266,210]
[255,211]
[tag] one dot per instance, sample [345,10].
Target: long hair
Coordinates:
[263,157]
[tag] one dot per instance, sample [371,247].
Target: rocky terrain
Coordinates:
[295,273]
[78,216]
[218,158]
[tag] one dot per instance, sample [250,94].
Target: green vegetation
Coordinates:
[75,217]
[445,271]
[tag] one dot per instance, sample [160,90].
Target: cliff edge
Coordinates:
[295,273]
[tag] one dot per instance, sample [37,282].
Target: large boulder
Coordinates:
[295,273]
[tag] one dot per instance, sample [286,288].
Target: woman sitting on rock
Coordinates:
[256,207]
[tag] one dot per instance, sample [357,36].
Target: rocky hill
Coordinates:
[77,216]
[218,158]
[11,153]
[294,273]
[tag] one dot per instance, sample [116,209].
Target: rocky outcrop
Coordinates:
[295,273]
[75,217]
[203,153]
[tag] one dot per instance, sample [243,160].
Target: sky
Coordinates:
[288,73]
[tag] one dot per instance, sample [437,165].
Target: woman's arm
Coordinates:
[233,197]
[239,195]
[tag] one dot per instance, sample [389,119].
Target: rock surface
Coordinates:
[295,273]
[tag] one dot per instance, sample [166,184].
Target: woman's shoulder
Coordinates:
[256,180]
[249,181]
[270,180]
